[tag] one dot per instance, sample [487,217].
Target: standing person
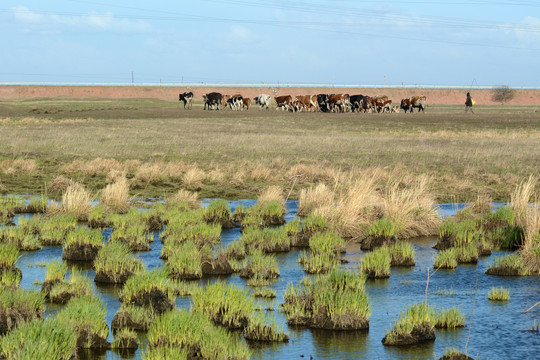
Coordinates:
[469,103]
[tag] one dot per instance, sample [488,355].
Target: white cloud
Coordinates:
[240,33]
[24,14]
[91,21]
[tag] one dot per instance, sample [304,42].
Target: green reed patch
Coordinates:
[115,264]
[401,254]
[24,238]
[218,212]
[10,279]
[49,339]
[467,254]
[257,263]
[446,259]
[87,316]
[136,318]
[227,305]
[267,239]
[26,302]
[327,242]
[184,261]
[376,264]
[55,271]
[265,292]
[509,265]
[262,328]
[195,333]
[499,294]
[414,325]
[165,352]
[77,286]
[9,254]
[149,288]
[450,318]
[136,236]
[125,339]
[384,227]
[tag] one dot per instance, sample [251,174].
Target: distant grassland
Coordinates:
[488,152]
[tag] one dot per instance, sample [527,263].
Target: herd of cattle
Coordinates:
[319,102]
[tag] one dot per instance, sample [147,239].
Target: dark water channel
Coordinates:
[496,330]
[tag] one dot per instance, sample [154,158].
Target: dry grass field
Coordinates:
[162,147]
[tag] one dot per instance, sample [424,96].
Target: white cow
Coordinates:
[263,100]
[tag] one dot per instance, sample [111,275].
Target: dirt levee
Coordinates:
[434,96]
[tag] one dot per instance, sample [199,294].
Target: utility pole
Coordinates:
[132,79]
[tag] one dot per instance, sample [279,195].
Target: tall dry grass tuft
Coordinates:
[18,166]
[114,175]
[272,193]
[260,173]
[60,184]
[184,196]
[411,208]
[76,201]
[95,167]
[216,176]
[312,173]
[356,208]
[520,199]
[115,196]
[193,178]
[315,197]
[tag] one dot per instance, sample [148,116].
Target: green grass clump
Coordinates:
[9,254]
[401,254]
[327,242]
[315,223]
[24,238]
[294,226]
[260,328]
[55,271]
[97,219]
[165,352]
[417,317]
[384,227]
[115,264]
[336,301]
[259,264]
[227,305]
[450,318]
[36,205]
[265,292]
[136,318]
[376,264]
[87,316]
[184,261]
[320,263]
[135,236]
[264,214]
[446,259]
[28,303]
[125,339]
[218,212]
[82,236]
[499,294]
[467,254]
[509,265]
[268,240]
[146,286]
[49,339]
[78,285]
[236,250]
[10,279]
[195,333]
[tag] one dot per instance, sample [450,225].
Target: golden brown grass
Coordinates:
[191,198]
[76,201]
[520,199]
[411,208]
[193,178]
[272,193]
[315,197]
[115,196]
[18,166]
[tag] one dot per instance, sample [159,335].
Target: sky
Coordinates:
[333,42]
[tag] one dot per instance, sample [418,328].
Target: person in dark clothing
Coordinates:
[469,103]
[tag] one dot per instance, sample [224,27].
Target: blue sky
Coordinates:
[449,43]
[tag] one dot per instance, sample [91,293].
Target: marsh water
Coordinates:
[497,330]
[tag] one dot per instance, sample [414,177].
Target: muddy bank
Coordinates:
[434,96]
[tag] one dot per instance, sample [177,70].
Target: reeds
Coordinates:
[218,212]
[226,305]
[191,199]
[19,305]
[55,271]
[414,325]
[184,261]
[376,264]
[76,201]
[260,328]
[82,244]
[259,264]
[115,196]
[149,289]
[467,254]
[135,318]
[446,259]
[313,198]
[194,333]
[266,240]
[125,339]
[87,316]
[401,254]
[53,230]
[114,263]
[325,251]
[499,294]
[76,286]
[450,318]
[49,339]
[265,292]
[9,254]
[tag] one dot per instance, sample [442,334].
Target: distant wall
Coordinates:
[434,96]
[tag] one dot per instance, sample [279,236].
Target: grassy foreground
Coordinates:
[234,154]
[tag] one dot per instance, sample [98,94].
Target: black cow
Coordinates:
[357,102]
[187,98]
[212,99]
[324,102]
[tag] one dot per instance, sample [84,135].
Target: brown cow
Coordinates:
[303,102]
[412,102]
[246,103]
[341,101]
[284,102]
